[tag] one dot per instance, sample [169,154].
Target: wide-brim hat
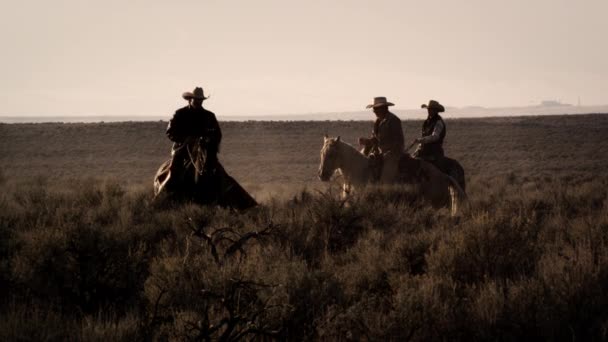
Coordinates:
[197,93]
[379,102]
[434,105]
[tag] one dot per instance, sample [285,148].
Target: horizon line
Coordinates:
[422,110]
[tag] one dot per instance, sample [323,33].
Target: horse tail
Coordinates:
[461,180]
[457,196]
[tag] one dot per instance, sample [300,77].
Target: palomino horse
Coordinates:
[190,180]
[436,187]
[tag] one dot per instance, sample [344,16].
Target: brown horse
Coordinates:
[190,180]
[436,187]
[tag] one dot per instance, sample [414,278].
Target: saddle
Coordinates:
[440,161]
[410,170]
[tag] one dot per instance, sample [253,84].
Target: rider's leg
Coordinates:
[178,156]
[390,168]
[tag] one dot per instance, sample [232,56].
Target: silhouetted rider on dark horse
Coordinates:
[194,171]
[194,122]
[430,145]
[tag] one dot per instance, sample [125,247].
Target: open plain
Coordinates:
[86,255]
[269,157]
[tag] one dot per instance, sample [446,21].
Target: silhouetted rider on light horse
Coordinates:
[385,146]
[430,145]
[384,159]
[194,172]
[357,171]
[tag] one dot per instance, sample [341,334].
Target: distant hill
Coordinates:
[404,114]
[451,112]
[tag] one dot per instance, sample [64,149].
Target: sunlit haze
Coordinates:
[270,57]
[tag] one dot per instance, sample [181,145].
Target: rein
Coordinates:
[195,154]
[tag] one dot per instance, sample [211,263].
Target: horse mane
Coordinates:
[351,148]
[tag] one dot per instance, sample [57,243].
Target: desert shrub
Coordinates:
[97,261]
[85,257]
[363,269]
[574,280]
[83,267]
[487,309]
[563,301]
[410,252]
[33,321]
[8,218]
[497,247]
[317,226]
[576,200]
[36,321]
[99,328]
[417,308]
[199,299]
[224,284]
[312,294]
[427,308]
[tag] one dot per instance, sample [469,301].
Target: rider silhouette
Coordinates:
[194,122]
[387,138]
[430,145]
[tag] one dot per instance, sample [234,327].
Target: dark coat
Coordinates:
[389,133]
[432,150]
[196,122]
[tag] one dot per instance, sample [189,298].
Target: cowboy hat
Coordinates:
[379,102]
[434,105]
[197,93]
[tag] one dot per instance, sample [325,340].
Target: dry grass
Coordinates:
[84,255]
[272,158]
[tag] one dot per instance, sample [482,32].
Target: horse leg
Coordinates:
[457,196]
[455,170]
[346,191]
[440,189]
[161,178]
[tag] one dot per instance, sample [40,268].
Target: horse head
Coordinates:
[329,157]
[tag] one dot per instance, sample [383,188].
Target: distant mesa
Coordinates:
[553,103]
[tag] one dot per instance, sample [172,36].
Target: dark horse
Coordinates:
[452,168]
[191,180]
[449,166]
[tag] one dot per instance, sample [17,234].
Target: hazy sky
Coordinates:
[259,57]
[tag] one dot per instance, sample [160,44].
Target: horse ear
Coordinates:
[325,136]
[338,138]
